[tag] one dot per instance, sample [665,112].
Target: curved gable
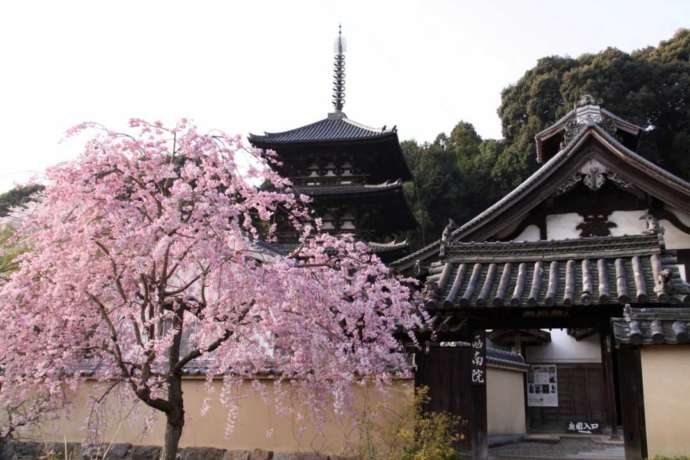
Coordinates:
[594,155]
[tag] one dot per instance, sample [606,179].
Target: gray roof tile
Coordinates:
[652,326]
[598,270]
[333,128]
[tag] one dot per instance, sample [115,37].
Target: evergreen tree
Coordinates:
[459,175]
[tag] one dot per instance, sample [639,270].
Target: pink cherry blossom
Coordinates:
[147,258]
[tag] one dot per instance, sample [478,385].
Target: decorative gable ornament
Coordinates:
[593,175]
[586,113]
[585,116]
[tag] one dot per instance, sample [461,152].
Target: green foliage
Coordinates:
[412,434]
[7,252]
[682,457]
[461,174]
[650,87]
[18,196]
[452,179]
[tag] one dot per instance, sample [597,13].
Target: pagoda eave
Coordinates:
[351,191]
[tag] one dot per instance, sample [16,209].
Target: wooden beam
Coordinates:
[611,412]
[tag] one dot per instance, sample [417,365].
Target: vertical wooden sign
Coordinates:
[480,446]
[478,358]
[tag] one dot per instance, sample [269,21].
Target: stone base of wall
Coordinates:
[14,450]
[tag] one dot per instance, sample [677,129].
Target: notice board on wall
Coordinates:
[542,386]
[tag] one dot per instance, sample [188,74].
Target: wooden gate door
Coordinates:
[580,398]
[445,370]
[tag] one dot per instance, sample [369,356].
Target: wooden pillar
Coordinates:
[478,377]
[611,412]
[632,404]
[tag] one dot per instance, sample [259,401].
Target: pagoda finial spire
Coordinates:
[339,72]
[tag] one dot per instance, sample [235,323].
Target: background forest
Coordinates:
[459,174]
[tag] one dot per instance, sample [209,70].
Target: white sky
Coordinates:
[250,66]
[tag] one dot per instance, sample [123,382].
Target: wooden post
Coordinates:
[632,404]
[478,420]
[611,413]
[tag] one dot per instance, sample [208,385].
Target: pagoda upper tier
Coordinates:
[336,146]
[353,172]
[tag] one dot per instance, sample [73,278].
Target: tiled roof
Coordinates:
[652,326]
[336,127]
[534,184]
[505,358]
[586,114]
[599,270]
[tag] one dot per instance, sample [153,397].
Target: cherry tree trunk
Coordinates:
[174,420]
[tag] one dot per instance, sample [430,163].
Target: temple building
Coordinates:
[583,270]
[354,173]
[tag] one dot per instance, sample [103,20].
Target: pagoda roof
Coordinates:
[566,273]
[381,248]
[392,208]
[624,165]
[349,189]
[334,128]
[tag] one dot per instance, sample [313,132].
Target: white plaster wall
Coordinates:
[565,349]
[530,233]
[674,238]
[505,401]
[628,222]
[666,386]
[562,226]
[682,216]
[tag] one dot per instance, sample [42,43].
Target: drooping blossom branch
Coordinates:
[147,256]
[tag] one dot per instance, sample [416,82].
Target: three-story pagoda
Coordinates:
[354,173]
